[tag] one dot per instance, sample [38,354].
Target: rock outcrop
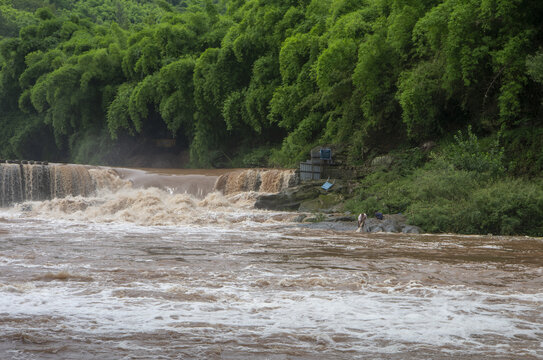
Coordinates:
[391,223]
[288,199]
[321,209]
[341,222]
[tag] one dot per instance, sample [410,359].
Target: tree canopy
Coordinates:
[231,76]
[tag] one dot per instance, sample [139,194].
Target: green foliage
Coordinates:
[422,100]
[523,151]
[117,115]
[44,13]
[126,13]
[507,207]
[381,191]
[26,137]
[258,83]
[440,197]
[375,77]
[468,155]
[225,77]
[534,66]
[176,91]
[13,19]
[142,98]
[248,158]
[295,52]
[298,143]
[336,63]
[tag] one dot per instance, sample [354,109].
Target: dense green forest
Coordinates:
[260,82]
[265,80]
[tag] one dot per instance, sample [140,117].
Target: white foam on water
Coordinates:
[490,247]
[461,319]
[237,273]
[149,207]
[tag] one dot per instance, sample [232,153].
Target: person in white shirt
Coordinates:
[361,220]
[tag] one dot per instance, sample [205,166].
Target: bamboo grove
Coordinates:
[234,77]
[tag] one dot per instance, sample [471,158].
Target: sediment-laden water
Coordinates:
[139,272]
[34,182]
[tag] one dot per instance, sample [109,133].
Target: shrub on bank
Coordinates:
[507,207]
[456,201]
[463,189]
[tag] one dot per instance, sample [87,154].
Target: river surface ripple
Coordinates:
[79,290]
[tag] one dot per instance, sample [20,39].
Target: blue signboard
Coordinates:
[326,154]
[326,185]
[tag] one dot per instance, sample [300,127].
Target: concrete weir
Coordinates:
[35,181]
[22,181]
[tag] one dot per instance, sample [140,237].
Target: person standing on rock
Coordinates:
[361,220]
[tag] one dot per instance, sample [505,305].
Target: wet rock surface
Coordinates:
[288,199]
[341,222]
[322,209]
[307,197]
[391,223]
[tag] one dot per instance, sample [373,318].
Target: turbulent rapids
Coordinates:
[22,182]
[36,182]
[256,180]
[100,263]
[146,197]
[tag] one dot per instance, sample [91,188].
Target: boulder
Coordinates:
[307,196]
[327,209]
[384,161]
[327,203]
[342,218]
[411,229]
[288,199]
[330,225]
[391,225]
[394,223]
[373,227]
[342,222]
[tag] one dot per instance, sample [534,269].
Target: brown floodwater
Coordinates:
[146,273]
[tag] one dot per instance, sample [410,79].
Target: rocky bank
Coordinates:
[323,209]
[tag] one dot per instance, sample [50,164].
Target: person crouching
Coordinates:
[361,220]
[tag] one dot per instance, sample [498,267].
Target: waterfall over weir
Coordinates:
[258,180]
[199,183]
[36,182]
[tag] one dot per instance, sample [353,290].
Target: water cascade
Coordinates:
[36,182]
[20,182]
[197,183]
[259,180]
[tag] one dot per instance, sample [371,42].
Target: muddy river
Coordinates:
[147,273]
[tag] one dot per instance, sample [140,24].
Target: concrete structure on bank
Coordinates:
[315,168]
[326,163]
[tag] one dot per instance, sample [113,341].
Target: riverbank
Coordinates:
[326,209]
[464,187]
[427,203]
